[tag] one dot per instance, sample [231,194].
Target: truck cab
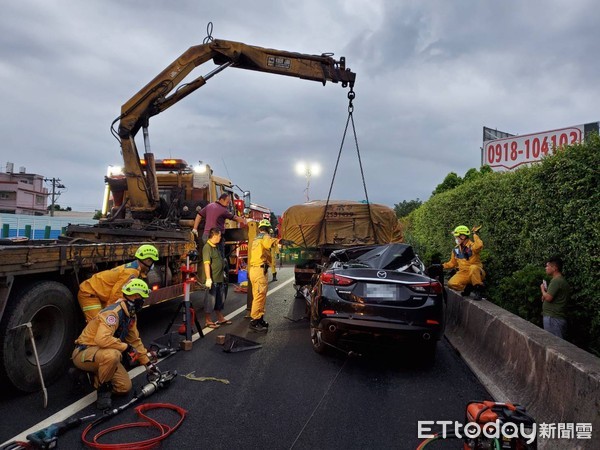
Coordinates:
[183,191]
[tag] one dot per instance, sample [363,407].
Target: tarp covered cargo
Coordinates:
[345,223]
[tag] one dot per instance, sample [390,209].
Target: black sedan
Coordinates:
[376,294]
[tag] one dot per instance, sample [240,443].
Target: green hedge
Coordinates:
[528,215]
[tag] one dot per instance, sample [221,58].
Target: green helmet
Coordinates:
[147,251]
[264,223]
[461,229]
[136,286]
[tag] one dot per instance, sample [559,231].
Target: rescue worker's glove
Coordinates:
[476,229]
[208,283]
[435,271]
[130,356]
[152,356]
[195,232]
[152,371]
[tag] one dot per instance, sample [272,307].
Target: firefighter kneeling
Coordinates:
[466,257]
[108,338]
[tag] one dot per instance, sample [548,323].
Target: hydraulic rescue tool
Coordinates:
[47,438]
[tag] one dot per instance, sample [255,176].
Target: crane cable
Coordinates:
[351,97]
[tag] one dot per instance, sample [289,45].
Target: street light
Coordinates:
[307,170]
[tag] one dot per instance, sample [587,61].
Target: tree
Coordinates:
[58,208]
[451,181]
[474,174]
[274,221]
[404,208]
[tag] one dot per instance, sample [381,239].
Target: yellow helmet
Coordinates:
[264,223]
[461,229]
[136,286]
[147,251]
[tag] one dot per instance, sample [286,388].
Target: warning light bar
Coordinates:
[167,164]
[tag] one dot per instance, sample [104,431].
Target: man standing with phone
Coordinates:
[555,297]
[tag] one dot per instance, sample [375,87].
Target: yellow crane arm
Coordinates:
[154,98]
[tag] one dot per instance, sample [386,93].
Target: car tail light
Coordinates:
[432,322]
[434,287]
[328,312]
[337,280]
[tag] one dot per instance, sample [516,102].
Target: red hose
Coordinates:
[164,430]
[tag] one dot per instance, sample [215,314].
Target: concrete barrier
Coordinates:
[519,362]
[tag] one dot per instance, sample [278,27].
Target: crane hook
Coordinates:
[351,96]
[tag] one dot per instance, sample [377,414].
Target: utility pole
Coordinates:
[56,184]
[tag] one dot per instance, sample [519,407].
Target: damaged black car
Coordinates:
[376,295]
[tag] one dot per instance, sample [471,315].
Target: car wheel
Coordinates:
[316,339]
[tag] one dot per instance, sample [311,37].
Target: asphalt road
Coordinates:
[282,395]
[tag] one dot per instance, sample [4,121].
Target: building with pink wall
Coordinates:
[22,193]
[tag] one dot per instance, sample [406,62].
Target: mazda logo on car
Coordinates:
[381,274]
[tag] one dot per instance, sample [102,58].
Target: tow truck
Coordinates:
[39,314]
[188,189]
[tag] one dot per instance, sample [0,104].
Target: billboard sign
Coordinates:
[511,152]
[489,134]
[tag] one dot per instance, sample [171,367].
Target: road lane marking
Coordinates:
[240,310]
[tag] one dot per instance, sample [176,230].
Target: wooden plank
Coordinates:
[21,259]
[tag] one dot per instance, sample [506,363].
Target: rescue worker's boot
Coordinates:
[104,393]
[274,276]
[257,325]
[81,379]
[478,292]
[467,291]
[263,323]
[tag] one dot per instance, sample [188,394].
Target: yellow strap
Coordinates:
[190,376]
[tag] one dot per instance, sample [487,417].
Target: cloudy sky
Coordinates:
[430,75]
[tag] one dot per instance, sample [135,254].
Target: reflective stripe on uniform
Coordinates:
[87,308]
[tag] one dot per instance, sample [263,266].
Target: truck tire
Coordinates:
[54,315]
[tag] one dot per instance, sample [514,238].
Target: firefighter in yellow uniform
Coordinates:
[274,253]
[110,336]
[104,288]
[466,257]
[260,257]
